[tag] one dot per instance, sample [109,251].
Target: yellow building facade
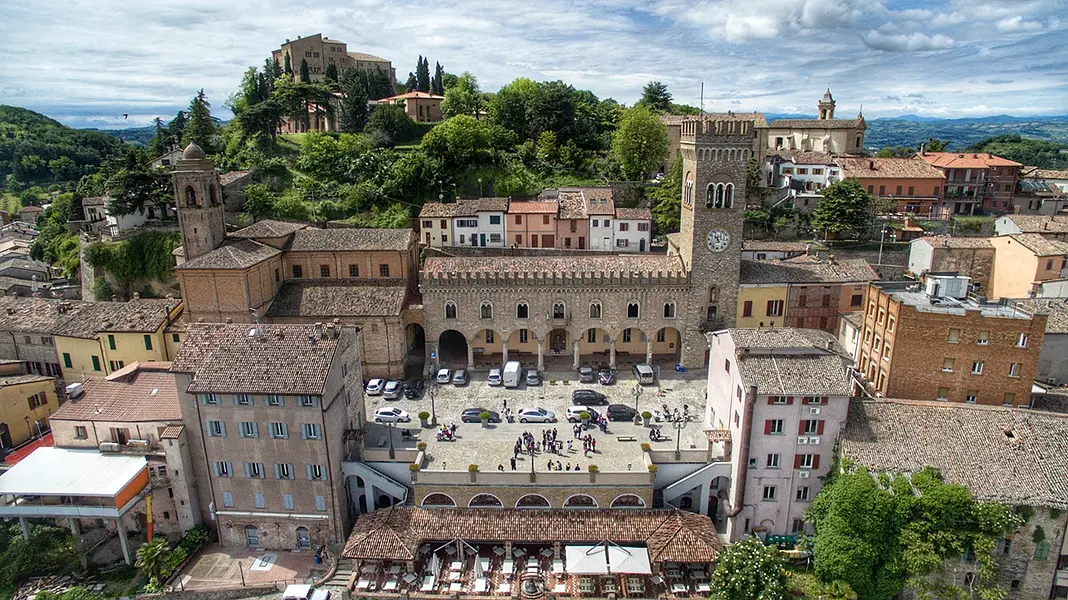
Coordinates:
[80,357]
[762,305]
[26,403]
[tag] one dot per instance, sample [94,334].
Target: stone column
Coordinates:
[612,354]
[575,364]
[24,525]
[706,488]
[124,541]
[648,351]
[76,533]
[541,355]
[470,357]
[504,353]
[369,495]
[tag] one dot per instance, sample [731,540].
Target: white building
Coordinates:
[800,176]
[474,222]
[632,230]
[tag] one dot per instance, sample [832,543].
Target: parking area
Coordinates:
[617,449]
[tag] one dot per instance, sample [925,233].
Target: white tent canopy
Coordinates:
[605,558]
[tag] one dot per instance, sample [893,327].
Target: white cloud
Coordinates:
[907,42]
[1017,24]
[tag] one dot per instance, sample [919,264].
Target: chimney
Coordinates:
[871,165]
[829,344]
[318,330]
[229,321]
[923,149]
[136,295]
[830,259]
[114,298]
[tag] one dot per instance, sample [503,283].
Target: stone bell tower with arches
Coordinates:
[198,199]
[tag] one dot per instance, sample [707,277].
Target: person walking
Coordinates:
[513,461]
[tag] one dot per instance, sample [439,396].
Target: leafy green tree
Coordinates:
[49,551]
[656,97]
[464,98]
[288,69]
[512,105]
[259,202]
[354,102]
[160,143]
[553,110]
[667,199]
[176,128]
[460,142]
[305,74]
[330,75]
[412,84]
[272,68]
[936,145]
[201,128]
[136,185]
[640,143]
[749,570]
[1040,153]
[845,207]
[389,124]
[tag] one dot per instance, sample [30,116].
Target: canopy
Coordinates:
[606,558]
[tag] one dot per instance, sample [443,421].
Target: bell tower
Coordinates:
[715,155]
[826,106]
[198,198]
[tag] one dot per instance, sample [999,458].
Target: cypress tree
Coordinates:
[331,73]
[289,65]
[305,76]
[411,84]
[437,84]
[422,74]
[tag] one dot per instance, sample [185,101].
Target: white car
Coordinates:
[444,376]
[392,414]
[393,390]
[374,387]
[535,415]
[494,377]
[573,413]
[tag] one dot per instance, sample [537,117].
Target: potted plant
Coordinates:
[423,418]
[653,468]
[584,416]
[421,446]
[646,416]
[485,416]
[646,447]
[414,469]
[473,470]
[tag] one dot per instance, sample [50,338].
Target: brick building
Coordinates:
[975,183]
[931,342]
[913,185]
[965,256]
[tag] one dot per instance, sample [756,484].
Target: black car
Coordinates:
[413,388]
[587,398]
[620,412]
[474,415]
[606,377]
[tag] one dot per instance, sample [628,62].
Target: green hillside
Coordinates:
[35,149]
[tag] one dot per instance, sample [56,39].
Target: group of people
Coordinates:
[447,433]
[666,414]
[528,444]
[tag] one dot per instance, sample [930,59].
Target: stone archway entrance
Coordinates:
[557,351]
[415,350]
[452,349]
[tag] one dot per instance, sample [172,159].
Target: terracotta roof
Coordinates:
[957,242]
[231,176]
[268,228]
[1055,308]
[339,298]
[773,338]
[533,207]
[806,269]
[966,160]
[396,533]
[351,239]
[138,393]
[281,359]
[36,314]
[795,374]
[532,265]
[800,157]
[855,318]
[1040,223]
[1001,454]
[23,379]
[1040,245]
[893,168]
[774,246]
[240,254]
[818,124]
[599,201]
[572,205]
[634,214]
[145,315]
[465,207]
[94,201]
[171,432]
[1037,173]
[414,95]
[367,57]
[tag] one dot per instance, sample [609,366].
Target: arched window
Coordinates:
[628,501]
[595,309]
[686,502]
[485,500]
[190,196]
[669,310]
[580,501]
[728,196]
[450,310]
[860,141]
[687,193]
[710,197]
[522,311]
[719,196]
[213,196]
[633,309]
[558,310]
[485,310]
[438,499]
[533,501]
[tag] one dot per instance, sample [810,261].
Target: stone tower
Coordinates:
[198,198]
[826,106]
[715,154]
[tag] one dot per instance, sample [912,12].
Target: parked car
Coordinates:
[459,378]
[588,397]
[532,377]
[392,414]
[444,376]
[536,415]
[574,412]
[494,377]
[644,374]
[393,390]
[606,377]
[512,374]
[620,412]
[374,387]
[586,374]
[474,415]
[413,389]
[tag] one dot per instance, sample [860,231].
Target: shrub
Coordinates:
[421,446]
[647,415]
[194,538]
[592,468]
[653,468]
[484,415]
[646,447]
[472,468]
[413,467]
[424,414]
[584,416]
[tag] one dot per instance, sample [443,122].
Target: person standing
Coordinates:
[513,461]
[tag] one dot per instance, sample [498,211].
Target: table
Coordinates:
[455,575]
[428,583]
[546,552]
[368,568]
[394,570]
[703,587]
[498,551]
[558,567]
[409,578]
[456,565]
[456,587]
[518,552]
[674,574]
[390,585]
[363,584]
[678,588]
[609,585]
[508,567]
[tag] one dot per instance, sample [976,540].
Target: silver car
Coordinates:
[536,415]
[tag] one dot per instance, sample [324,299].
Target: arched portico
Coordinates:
[453,349]
[666,346]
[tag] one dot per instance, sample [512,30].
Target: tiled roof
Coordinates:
[774,246]
[240,254]
[424,95]
[268,228]
[36,314]
[599,201]
[1057,309]
[367,57]
[94,201]
[770,338]
[635,214]
[818,124]
[1040,245]
[534,207]
[855,318]
[572,205]
[800,374]
[893,168]
[801,157]
[171,432]
[532,265]
[957,242]
[1040,223]
[136,316]
[351,239]
[465,207]
[1036,173]
[1001,454]
[339,298]
[966,160]
[280,359]
[22,379]
[806,269]
[231,176]
[177,325]
[396,533]
[140,392]
[18,263]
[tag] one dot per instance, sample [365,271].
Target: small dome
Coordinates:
[827,96]
[192,152]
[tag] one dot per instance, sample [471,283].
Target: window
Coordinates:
[856,299]
[559,310]
[802,170]
[223,468]
[973,397]
[309,401]
[591,336]
[242,400]
[67,362]
[383,270]
[210,398]
[320,503]
[811,426]
[661,335]
[522,310]
[633,309]
[283,471]
[802,300]
[773,461]
[769,493]
[624,226]
[489,336]
[228,499]
[669,310]
[1014,370]
[495,219]
[519,219]
[983,339]
[80,433]
[912,190]
[354,270]
[249,429]
[882,190]
[310,431]
[176,338]
[890,325]
[947,365]
[545,219]
[1021,340]
[287,499]
[977,367]
[216,429]
[643,227]
[485,311]
[116,364]
[258,499]
[428,224]
[626,336]
[96,363]
[606,223]
[450,310]
[298,271]
[943,394]
[803,493]
[273,401]
[774,308]
[622,243]
[316,472]
[278,430]
[254,470]
[747,308]
[773,427]
[495,238]
[595,309]
[111,341]
[954,336]
[816,171]
[806,461]
[1008,398]
[524,336]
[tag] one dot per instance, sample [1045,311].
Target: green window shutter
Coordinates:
[66,361]
[148,342]
[1042,550]
[96,363]
[111,341]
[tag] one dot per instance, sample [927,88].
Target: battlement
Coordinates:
[732,126]
[551,271]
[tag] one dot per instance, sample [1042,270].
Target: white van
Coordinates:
[512,374]
[644,374]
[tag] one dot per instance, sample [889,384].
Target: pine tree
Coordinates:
[160,143]
[272,68]
[201,128]
[289,65]
[305,76]
[176,128]
[354,103]
[411,84]
[422,74]
[437,84]
[331,73]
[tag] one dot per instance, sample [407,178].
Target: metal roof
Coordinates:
[65,472]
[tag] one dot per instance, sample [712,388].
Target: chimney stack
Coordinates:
[136,295]
[871,164]
[318,330]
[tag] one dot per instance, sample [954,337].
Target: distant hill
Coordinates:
[35,149]
[910,130]
[138,136]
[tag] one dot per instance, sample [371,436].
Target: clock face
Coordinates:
[718,240]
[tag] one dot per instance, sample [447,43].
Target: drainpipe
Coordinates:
[743,454]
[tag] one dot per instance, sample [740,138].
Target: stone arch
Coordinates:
[768,525]
[190,196]
[628,501]
[533,501]
[631,335]
[728,196]
[522,309]
[452,347]
[415,337]
[485,500]
[303,537]
[860,141]
[485,310]
[580,501]
[438,499]
[596,309]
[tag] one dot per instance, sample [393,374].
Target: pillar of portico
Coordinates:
[575,363]
[470,357]
[24,525]
[706,489]
[648,351]
[369,493]
[76,533]
[541,355]
[504,353]
[124,541]
[612,354]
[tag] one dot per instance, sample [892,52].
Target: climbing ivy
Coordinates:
[144,256]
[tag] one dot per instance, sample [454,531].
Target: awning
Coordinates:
[606,558]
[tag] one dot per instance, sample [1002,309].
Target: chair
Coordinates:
[558,567]
[703,587]
[485,562]
[508,567]
[635,586]
[428,584]
[390,585]
[481,585]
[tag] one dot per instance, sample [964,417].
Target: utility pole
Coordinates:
[882,236]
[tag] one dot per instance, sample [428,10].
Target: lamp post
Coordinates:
[389,428]
[882,236]
[432,391]
[678,425]
[637,391]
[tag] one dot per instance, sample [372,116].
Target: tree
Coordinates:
[422,74]
[152,556]
[464,98]
[655,95]
[845,207]
[305,75]
[288,65]
[160,143]
[640,143]
[749,570]
[201,128]
[176,128]
[272,68]
[936,145]
[258,201]
[354,101]
[136,185]
[331,73]
[437,84]
[411,85]
[460,142]
[553,110]
[512,105]
[390,124]
[667,199]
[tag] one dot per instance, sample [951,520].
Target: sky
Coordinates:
[88,62]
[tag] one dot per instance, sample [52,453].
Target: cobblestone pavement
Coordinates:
[493,445]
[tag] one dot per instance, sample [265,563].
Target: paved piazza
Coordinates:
[492,445]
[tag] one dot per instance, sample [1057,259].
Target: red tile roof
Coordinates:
[533,207]
[139,393]
[26,449]
[966,160]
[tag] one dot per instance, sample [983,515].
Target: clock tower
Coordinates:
[716,151]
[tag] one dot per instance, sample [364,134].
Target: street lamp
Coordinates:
[678,425]
[882,236]
[432,391]
[389,429]
[637,391]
